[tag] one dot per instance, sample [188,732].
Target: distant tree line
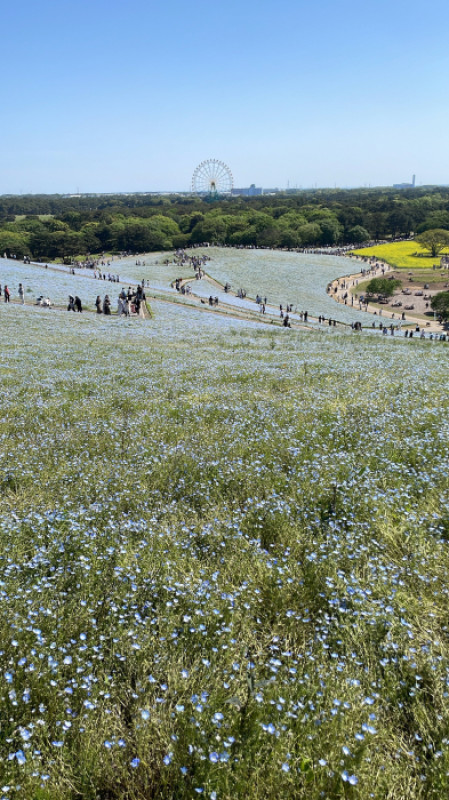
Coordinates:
[56,226]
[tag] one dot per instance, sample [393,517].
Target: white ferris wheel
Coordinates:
[212,177]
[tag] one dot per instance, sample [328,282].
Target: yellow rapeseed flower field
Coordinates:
[401,255]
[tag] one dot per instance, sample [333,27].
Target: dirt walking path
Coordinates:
[342,286]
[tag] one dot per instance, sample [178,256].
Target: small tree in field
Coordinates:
[434,241]
[383,287]
[440,304]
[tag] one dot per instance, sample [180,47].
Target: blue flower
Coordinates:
[20,757]
[352,779]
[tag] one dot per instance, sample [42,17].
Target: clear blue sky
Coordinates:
[131,96]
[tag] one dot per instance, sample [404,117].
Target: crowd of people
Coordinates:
[196,262]
[131,302]
[128,303]
[106,276]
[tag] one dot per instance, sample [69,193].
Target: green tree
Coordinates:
[350,217]
[210,229]
[268,237]
[440,304]
[436,220]
[113,236]
[383,287]
[434,240]
[309,234]
[74,219]
[376,222]
[73,244]
[14,243]
[292,221]
[91,243]
[260,221]
[235,224]
[41,244]
[399,223]
[188,221]
[331,230]
[288,238]
[358,235]
[181,240]
[246,237]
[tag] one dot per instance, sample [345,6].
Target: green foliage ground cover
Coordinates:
[224,561]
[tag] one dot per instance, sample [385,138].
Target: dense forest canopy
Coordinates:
[58,226]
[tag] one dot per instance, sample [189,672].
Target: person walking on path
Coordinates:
[122,304]
[78,304]
[21,294]
[142,299]
[7,294]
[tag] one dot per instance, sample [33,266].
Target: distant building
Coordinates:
[405,185]
[251,191]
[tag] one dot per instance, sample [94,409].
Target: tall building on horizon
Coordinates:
[405,185]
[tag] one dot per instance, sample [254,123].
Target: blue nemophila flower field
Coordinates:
[224,561]
[282,277]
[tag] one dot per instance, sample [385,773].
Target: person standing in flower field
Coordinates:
[6,293]
[21,294]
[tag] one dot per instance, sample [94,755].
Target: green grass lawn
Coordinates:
[18,217]
[401,255]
